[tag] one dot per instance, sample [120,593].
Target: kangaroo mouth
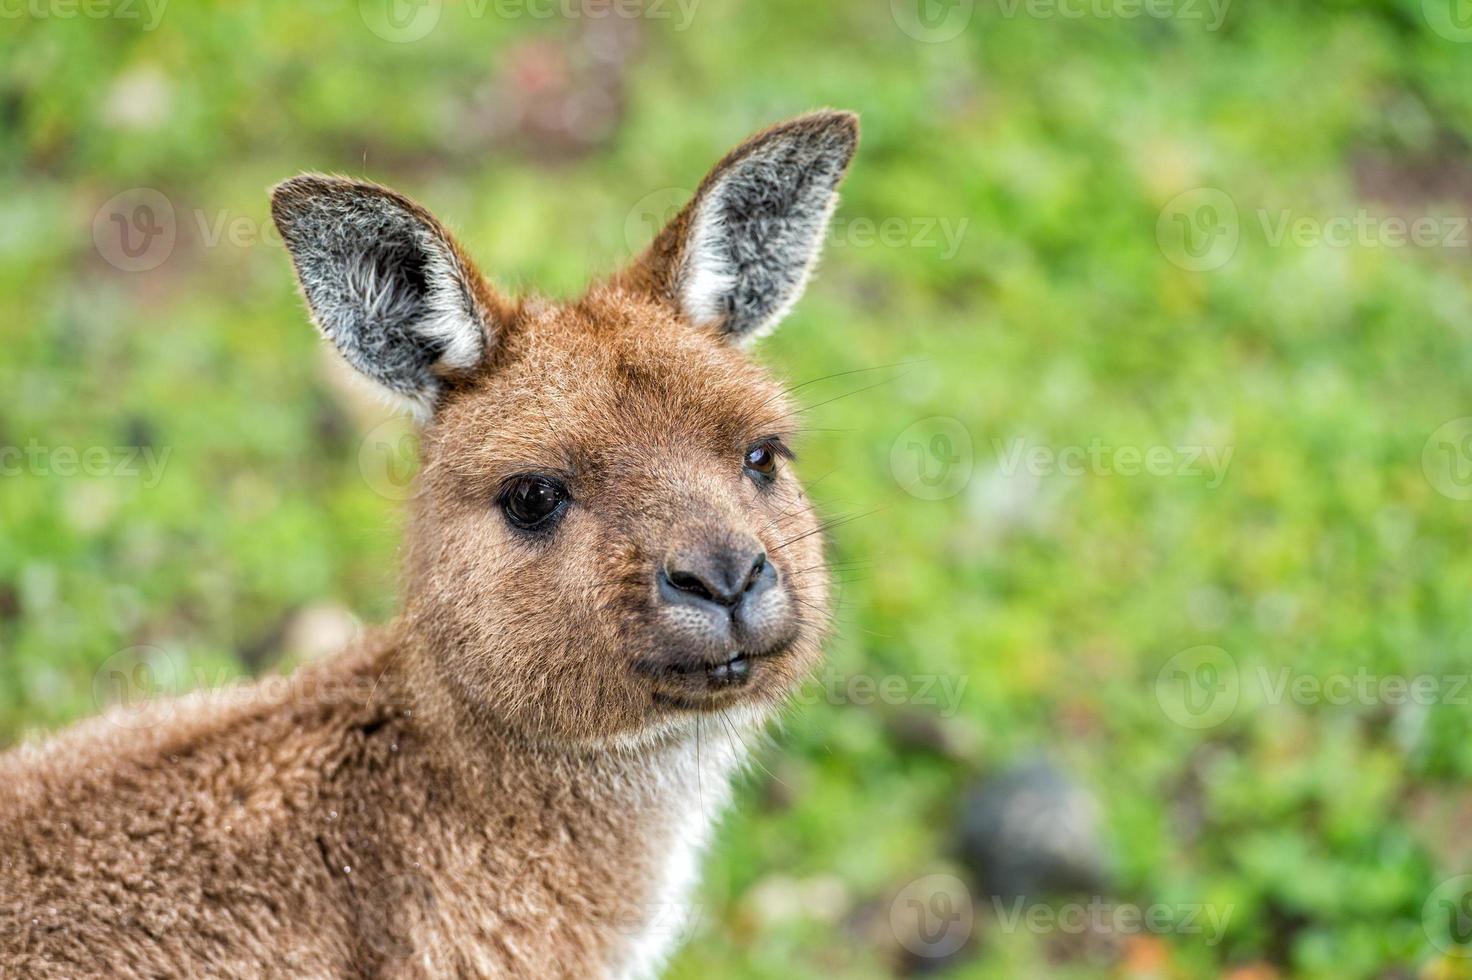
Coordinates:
[694,686]
[731,672]
[734,671]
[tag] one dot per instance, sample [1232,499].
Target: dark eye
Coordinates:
[530,502]
[761,460]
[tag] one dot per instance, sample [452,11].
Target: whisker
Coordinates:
[699,768]
[847,394]
[750,752]
[828,526]
[842,374]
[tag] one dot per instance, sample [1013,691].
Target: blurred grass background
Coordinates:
[1061,314]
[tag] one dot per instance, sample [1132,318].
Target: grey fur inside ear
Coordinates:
[758,223]
[384,282]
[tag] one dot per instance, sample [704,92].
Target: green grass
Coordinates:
[1057,319]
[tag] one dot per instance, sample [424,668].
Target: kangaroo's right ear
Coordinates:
[386,284]
[739,254]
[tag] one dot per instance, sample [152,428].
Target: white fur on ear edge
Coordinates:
[710,277]
[757,225]
[384,283]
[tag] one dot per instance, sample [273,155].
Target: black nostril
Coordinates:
[758,566]
[691,583]
[721,577]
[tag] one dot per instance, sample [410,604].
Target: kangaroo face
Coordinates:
[611,532]
[610,540]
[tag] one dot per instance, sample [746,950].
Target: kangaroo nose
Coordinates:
[722,576]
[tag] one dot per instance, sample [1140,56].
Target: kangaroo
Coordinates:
[611,576]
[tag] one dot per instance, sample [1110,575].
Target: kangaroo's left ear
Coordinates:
[386,284]
[739,254]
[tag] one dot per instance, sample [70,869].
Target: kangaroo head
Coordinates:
[609,540]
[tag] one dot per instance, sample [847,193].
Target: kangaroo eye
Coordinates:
[530,502]
[761,460]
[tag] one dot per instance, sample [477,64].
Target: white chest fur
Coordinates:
[694,790]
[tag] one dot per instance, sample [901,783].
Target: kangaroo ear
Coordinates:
[386,284]
[739,254]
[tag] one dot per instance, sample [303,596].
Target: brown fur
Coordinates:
[485,787]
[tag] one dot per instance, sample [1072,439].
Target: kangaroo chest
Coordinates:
[591,878]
